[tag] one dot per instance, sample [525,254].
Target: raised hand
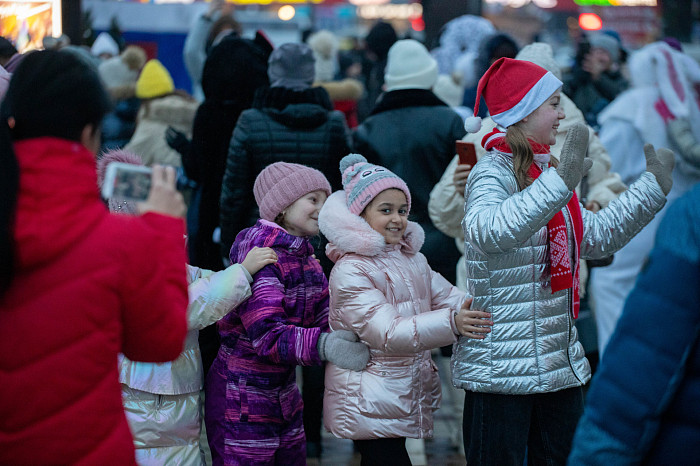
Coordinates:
[574,164]
[660,164]
[459,179]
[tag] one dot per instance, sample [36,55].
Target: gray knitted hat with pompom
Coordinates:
[363,181]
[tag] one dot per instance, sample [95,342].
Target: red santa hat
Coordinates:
[512,89]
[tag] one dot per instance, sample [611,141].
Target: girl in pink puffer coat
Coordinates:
[383,290]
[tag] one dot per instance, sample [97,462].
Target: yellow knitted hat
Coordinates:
[154,81]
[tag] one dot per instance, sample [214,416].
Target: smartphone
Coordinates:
[126,181]
[466,152]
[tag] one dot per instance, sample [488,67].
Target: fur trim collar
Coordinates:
[171,110]
[404,98]
[349,233]
[347,89]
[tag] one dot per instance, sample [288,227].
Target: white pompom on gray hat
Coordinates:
[324,45]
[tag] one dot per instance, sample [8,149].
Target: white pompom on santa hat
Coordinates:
[512,89]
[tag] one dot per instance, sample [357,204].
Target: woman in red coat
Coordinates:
[77,284]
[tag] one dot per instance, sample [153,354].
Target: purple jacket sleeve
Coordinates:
[268,326]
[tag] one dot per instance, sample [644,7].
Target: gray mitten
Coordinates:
[574,164]
[343,349]
[681,134]
[660,164]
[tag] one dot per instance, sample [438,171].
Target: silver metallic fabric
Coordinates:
[162,401]
[533,347]
[165,427]
[211,297]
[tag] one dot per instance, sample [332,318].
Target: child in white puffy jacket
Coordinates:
[162,401]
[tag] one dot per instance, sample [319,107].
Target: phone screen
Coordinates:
[124,181]
[466,152]
[132,185]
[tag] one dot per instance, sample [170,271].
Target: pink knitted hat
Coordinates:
[363,181]
[282,183]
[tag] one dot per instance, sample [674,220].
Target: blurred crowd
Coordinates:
[122,343]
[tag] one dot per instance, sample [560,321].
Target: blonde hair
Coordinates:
[523,155]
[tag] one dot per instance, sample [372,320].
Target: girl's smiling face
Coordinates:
[301,217]
[387,214]
[542,125]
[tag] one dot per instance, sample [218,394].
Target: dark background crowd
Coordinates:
[79,287]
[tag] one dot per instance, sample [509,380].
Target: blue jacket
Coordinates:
[644,402]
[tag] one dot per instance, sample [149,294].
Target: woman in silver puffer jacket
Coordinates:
[525,233]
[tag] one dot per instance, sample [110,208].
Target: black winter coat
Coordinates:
[412,133]
[234,70]
[283,126]
[590,96]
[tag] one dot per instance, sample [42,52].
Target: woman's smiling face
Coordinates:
[542,125]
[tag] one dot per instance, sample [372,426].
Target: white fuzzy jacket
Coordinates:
[400,308]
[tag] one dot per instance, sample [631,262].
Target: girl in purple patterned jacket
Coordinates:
[253,406]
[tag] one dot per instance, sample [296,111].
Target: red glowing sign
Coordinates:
[590,22]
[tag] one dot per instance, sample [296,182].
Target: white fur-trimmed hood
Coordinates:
[350,233]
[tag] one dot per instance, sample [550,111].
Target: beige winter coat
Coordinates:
[400,308]
[153,120]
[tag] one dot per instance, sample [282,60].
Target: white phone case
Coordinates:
[126,181]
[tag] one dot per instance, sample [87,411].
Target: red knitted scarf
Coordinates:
[563,276]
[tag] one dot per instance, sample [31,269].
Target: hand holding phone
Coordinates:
[153,189]
[466,153]
[126,181]
[467,159]
[164,197]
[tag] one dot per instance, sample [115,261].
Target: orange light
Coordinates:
[590,22]
[418,24]
[286,12]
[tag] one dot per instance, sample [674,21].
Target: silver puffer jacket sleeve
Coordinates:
[215,294]
[499,218]
[613,227]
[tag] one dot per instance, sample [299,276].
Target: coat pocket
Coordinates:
[434,385]
[290,402]
[387,392]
